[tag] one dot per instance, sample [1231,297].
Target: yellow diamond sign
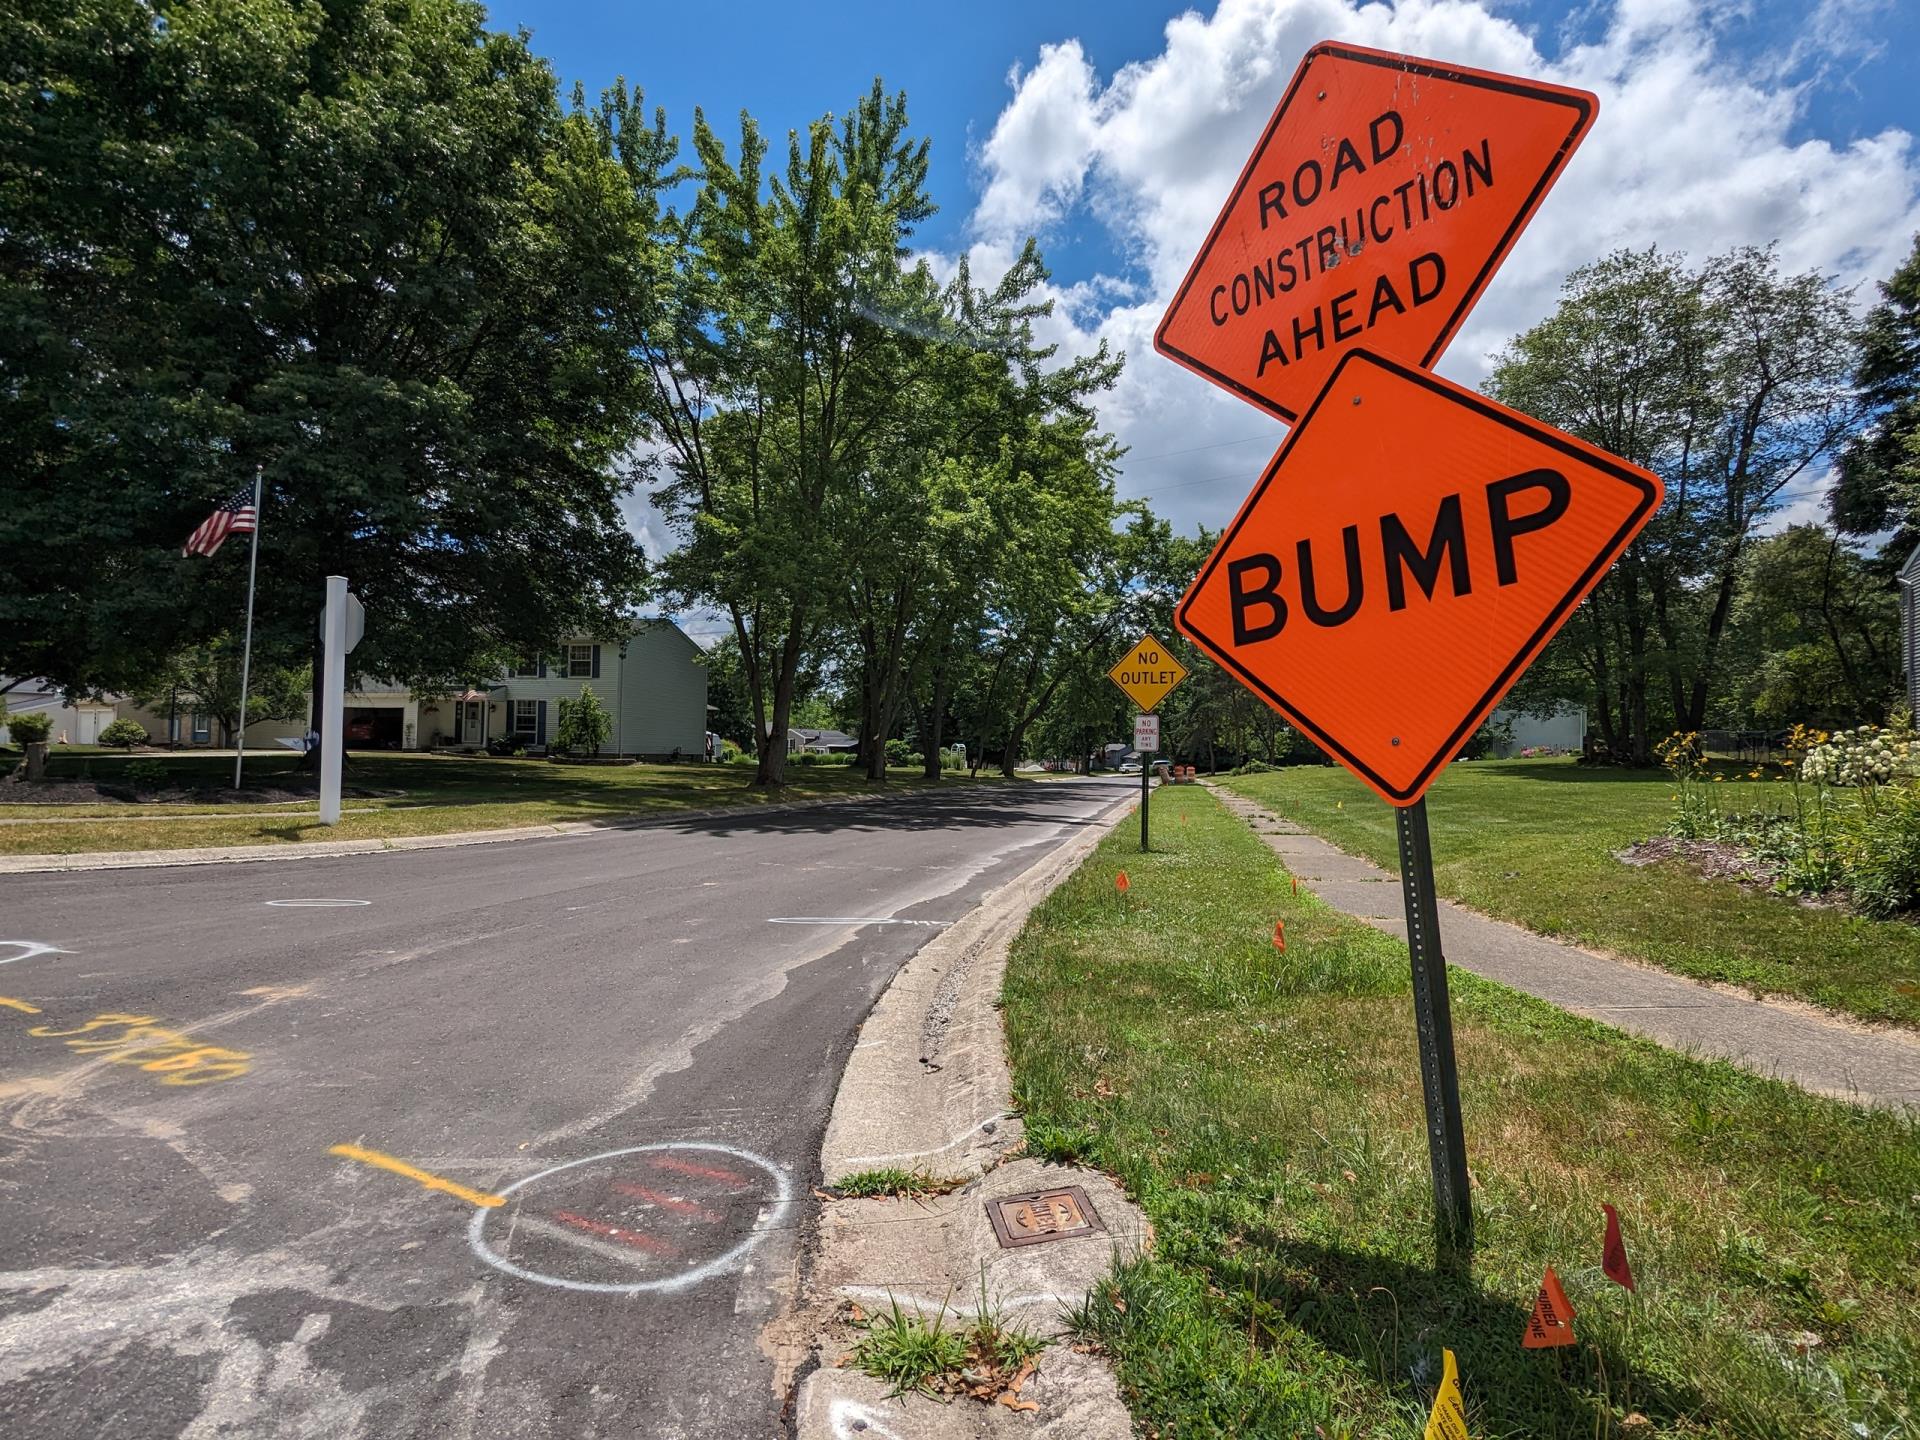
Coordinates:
[1147,673]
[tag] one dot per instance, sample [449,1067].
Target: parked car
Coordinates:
[1130,767]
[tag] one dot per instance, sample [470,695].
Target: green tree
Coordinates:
[1880,469]
[583,724]
[205,679]
[358,244]
[1820,628]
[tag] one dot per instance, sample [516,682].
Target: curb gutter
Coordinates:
[927,1089]
[309,850]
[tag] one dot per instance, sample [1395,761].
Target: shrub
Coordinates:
[29,727]
[145,774]
[898,753]
[1883,853]
[584,724]
[124,734]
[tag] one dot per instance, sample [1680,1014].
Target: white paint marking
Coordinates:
[854,920]
[314,904]
[932,1309]
[30,948]
[783,1198]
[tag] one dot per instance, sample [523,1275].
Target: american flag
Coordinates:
[233,516]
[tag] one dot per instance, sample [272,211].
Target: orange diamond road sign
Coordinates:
[1384,193]
[1409,550]
[1147,673]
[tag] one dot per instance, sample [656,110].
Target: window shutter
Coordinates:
[540,723]
[540,664]
[596,662]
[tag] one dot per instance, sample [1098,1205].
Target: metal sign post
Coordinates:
[1433,1022]
[1146,744]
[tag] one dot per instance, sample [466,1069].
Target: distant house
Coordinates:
[1564,729]
[1910,626]
[652,684]
[74,723]
[820,742]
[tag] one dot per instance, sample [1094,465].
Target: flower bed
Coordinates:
[1840,820]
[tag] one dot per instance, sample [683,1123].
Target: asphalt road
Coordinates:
[606,1061]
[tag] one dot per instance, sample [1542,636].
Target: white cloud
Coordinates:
[1694,149]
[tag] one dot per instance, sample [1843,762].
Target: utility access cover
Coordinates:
[1382,196]
[1407,553]
[1059,1214]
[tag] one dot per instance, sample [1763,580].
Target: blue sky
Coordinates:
[787,63]
[1114,131]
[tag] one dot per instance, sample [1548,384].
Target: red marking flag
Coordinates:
[233,516]
[1613,1252]
[1280,936]
[1120,882]
[1552,1320]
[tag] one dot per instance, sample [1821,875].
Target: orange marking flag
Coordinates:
[1449,1418]
[1552,1320]
[1613,1252]
[1280,936]
[1384,193]
[1120,882]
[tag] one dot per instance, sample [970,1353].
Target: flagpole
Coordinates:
[246,645]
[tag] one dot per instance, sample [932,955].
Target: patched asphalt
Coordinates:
[605,1033]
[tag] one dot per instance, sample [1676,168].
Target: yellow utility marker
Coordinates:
[20,1005]
[413,1172]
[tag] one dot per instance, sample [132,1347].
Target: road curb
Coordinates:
[927,1088]
[321,849]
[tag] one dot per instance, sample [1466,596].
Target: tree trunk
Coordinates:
[771,772]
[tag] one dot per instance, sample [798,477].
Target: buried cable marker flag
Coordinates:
[1280,936]
[1449,1418]
[1613,1252]
[1552,1320]
[1120,882]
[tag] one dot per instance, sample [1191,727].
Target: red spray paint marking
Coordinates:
[614,1232]
[667,1202]
[705,1172]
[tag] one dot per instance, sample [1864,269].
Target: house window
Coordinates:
[528,669]
[580,661]
[526,717]
[202,728]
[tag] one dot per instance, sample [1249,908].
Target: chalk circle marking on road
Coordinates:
[775,1214]
[855,920]
[313,904]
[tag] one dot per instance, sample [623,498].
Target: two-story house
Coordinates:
[652,683]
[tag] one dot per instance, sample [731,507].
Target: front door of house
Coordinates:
[473,722]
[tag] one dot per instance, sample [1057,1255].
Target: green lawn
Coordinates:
[1265,1110]
[1533,841]
[419,795]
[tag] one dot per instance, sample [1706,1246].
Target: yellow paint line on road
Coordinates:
[20,1005]
[415,1173]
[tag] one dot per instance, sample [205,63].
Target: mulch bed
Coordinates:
[16,789]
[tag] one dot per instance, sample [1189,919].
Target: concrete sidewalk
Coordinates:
[1779,1038]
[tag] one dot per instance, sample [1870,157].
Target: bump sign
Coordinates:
[1408,552]
[1381,198]
[1147,673]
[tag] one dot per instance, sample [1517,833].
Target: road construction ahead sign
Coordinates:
[1384,193]
[1147,673]
[1408,551]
